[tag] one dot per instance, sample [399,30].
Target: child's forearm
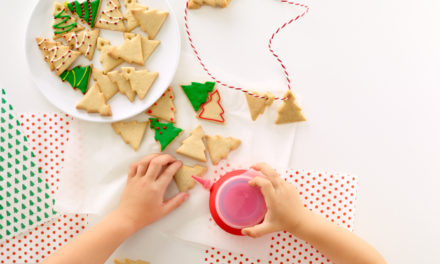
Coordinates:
[96,244]
[337,243]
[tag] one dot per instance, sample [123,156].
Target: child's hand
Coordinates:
[142,201]
[285,210]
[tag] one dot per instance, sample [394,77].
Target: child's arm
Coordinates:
[285,211]
[141,204]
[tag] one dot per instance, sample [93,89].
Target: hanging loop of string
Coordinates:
[284,68]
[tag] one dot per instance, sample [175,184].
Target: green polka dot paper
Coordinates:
[24,196]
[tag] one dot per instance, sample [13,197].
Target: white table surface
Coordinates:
[368,75]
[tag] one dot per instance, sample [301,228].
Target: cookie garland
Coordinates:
[86,13]
[258,105]
[78,77]
[111,18]
[164,133]
[290,111]
[191,4]
[196,4]
[63,23]
[212,110]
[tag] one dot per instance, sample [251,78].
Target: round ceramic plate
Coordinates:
[164,60]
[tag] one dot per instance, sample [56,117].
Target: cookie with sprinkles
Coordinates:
[111,17]
[84,42]
[58,56]
[164,107]
[63,23]
[87,11]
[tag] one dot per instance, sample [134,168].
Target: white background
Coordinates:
[368,76]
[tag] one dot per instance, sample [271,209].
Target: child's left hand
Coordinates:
[142,201]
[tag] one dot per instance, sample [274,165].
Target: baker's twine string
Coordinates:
[306,10]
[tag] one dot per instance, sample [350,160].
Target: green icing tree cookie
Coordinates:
[87,10]
[197,93]
[165,133]
[78,77]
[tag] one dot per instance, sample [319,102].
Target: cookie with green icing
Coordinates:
[63,23]
[87,10]
[78,77]
[197,93]
[165,133]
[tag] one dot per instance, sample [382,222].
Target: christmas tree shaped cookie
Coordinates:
[131,132]
[130,51]
[130,5]
[63,23]
[148,45]
[219,147]
[107,61]
[84,42]
[150,20]
[289,112]
[165,133]
[193,145]
[108,88]
[258,105]
[212,110]
[184,179]
[196,4]
[140,81]
[58,56]
[94,102]
[111,17]
[164,107]
[86,10]
[123,85]
[25,201]
[78,77]
[197,93]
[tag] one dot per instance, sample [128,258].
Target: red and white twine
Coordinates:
[306,10]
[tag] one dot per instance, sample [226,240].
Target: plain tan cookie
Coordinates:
[140,81]
[130,50]
[131,132]
[107,61]
[196,4]
[131,22]
[58,56]
[84,42]
[219,147]
[257,105]
[164,107]
[212,110]
[111,17]
[193,145]
[129,261]
[150,20]
[60,10]
[94,102]
[108,88]
[148,46]
[289,112]
[184,179]
[123,85]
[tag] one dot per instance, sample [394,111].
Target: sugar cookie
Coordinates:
[94,102]
[111,17]
[219,147]
[107,61]
[58,56]
[212,110]
[184,179]
[86,11]
[257,105]
[193,145]
[123,85]
[132,132]
[83,41]
[148,46]
[289,112]
[63,23]
[164,107]
[150,20]
[78,77]
[196,4]
[128,16]
[130,51]
[165,133]
[140,81]
[108,88]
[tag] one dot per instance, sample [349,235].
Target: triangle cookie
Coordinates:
[130,50]
[131,132]
[148,46]
[219,147]
[140,81]
[289,112]
[84,42]
[193,145]
[107,61]
[164,107]
[94,102]
[131,22]
[123,85]
[257,105]
[111,17]
[184,179]
[108,88]
[150,20]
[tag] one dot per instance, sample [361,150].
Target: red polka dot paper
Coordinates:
[331,195]
[47,134]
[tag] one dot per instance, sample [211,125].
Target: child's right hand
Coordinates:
[285,211]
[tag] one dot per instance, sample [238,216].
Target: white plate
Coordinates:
[164,60]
